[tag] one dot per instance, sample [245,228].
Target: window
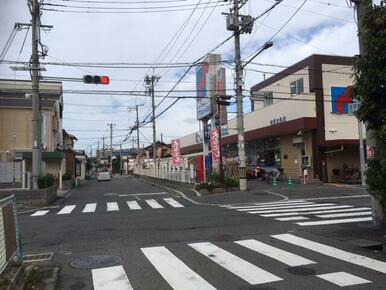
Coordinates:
[268,99]
[297,87]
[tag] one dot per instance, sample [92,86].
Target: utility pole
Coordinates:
[150,82]
[239,101]
[103,150]
[137,125]
[111,125]
[36,114]
[97,154]
[120,159]
[377,209]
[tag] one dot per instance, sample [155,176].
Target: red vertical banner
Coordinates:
[215,145]
[176,152]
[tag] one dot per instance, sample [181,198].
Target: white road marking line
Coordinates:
[132,204]
[67,209]
[343,279]
[285,257]
[347,214]
[173,202]
[273,206]
[338,197]
[110,278]
[263,204]
[315,212]
[112,206]
[149,193]
[333,222]
[90,207]
[352,258]
[292,218]
[40,213]
[153,203]
[299,209]
[289,207]
[245,270]
[174,271]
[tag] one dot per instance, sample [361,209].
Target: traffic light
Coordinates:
[98,80]
[247,23]
[224,100]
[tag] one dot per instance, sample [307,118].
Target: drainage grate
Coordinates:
[38,257]
[93,262]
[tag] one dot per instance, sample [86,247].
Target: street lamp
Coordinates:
[266,45]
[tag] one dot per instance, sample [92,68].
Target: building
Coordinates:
[68,147]
[299,119]
[16,124]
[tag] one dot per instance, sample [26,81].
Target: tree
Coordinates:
[370,89]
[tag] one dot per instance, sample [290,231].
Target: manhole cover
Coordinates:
[303,271]
[93,262]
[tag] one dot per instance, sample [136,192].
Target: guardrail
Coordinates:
[10,242]
[179,175]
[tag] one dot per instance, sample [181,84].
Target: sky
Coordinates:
[136,31]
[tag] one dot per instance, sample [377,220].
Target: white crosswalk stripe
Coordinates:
[153,203]
[334,222]
[112,206]
[90,207]
[67,209]
[292,218]
[286,207]
[285,257]
[269,205]
[173,202]
[174,271]
[299,209]
[40,213]
[245,270]
[315,212]
[348,214]
[333,252]
[343,279]
[110,278]
[133,205]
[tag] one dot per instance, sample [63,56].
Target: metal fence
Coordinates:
[10,242]
[179,175]
[10,172]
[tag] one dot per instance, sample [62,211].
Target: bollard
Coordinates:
[274,183]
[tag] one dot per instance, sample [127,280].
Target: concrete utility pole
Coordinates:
[97,154]
[377,209]
[111,125]
[137,126]
[36,114]
[150,82]
[103,149]
[120,159]
[239,100]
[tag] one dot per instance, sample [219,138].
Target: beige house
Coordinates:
[16,124]
[299,119]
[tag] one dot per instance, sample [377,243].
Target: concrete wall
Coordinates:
[38,197]
[349,156]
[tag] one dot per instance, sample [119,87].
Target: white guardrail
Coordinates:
[179,175]
[10,242]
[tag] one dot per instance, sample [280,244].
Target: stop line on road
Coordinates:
[245,268]
[303,211]
[114,206]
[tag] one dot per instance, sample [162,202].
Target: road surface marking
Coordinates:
[245,270]
[285,257]
[174,271]
[333,222]
[315,212]
[292,218]
[110,278]
[132,204]
[347,214]
[90,207]
[343,279]
[67,209]
[40,213]
[112,206]
[289,207]
[299,209]
[338,197]
[153,203]
[264,204]
[274,206]
[173,202]
[149,193]
[334,252]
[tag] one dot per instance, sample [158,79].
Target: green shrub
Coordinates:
[66,176]
[214,178]
[46,181]
[229,182]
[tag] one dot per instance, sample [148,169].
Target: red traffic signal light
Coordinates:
[98,80]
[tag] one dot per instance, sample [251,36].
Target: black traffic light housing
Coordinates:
[98,80]
[224,100]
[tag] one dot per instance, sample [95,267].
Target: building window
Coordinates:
[268,99]
[297,87]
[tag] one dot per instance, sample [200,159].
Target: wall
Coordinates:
[346,126]
[349,156]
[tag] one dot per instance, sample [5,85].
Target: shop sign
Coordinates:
[176,152]
[341,97]
[278,120]
[214,144]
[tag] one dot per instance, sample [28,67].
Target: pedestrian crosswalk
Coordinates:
[243,262]
[307,213]
[112,206]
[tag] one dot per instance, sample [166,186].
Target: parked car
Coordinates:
[103,174]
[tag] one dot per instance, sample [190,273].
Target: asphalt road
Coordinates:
[158,240]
